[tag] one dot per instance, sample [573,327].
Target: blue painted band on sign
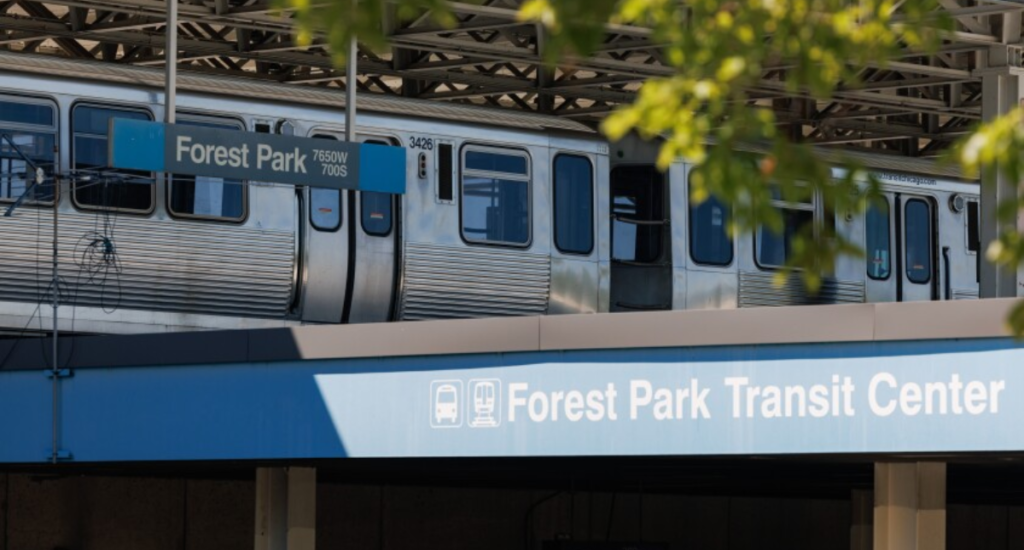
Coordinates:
[136,145]
[381,168]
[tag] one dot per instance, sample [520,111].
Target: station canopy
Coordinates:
[915,106]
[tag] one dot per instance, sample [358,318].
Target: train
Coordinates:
[505,213]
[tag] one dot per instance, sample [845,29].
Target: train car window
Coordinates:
[325,208]
[774,249]
[574,204]
[973,227]
[496,197]
[208,197]
[33,129]
[375,208]
[638,212]
[919,241]
[376,213]
[445,186]
[133,191]
[325,204]
[20,112]
[974,236]
[491,162]
[710,243]
[877,239]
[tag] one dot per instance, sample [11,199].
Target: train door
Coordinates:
[878,234]
[372,259]
[641,270]
[706,265]
[575,274]
[917,276]
[325,252]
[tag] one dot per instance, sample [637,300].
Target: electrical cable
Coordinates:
[95,253]
[96,257]
[38,284]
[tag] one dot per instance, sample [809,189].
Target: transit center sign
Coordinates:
[201,151]
[691,402]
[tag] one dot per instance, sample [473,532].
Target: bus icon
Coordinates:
[446,406]
[445,398]
[484,403]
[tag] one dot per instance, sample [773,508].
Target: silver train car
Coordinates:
[505,214]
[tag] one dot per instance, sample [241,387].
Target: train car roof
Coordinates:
[884,163]
[469,114]
[253,89]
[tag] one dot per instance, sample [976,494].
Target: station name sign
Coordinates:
[200,151]
[690,402]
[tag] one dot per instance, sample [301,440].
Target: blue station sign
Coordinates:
[963,396]
[201,151]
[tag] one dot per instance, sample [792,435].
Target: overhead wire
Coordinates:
[95,256]
[32,188]
[96,253]
[39,292]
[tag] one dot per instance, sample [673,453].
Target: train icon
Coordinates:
[485,403]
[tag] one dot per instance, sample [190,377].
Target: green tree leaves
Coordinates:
[708,109]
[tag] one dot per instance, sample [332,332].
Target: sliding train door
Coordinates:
[641,267]
[351,263]
[879,263]
[372,259]
[905,256]
[325,252]
[917,258]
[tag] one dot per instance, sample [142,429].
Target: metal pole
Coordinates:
[350,91]
[171,61]
[56,304]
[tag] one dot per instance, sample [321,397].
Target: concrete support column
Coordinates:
[1001,92]
[285,509]
[910,506]
[861,511]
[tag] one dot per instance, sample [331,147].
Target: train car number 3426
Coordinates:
[422,143]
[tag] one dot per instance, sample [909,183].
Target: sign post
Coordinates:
[350,90]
